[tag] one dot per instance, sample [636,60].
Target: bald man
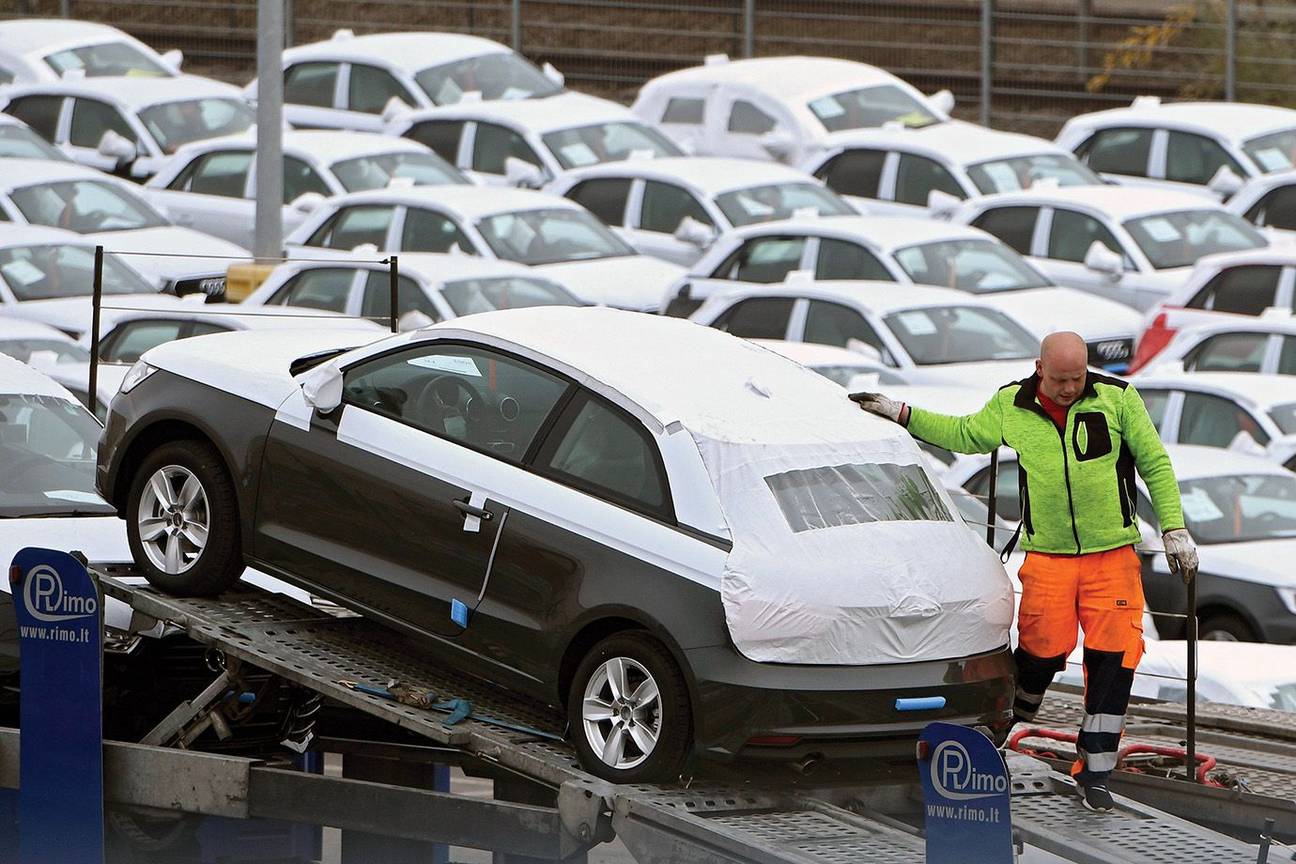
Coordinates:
[1079,437]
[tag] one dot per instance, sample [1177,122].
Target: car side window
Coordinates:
[133,338]
[441,136]
[41,113]
[1007,491]
[600,449]
[1245,290]
[1213,421]
[854,172]
[917,177]
[6,77]
[483,399]
[321,288]
[430,231]
[746,119]
[841,259]
[1015,226]
[92,118]
[1287,357]
[494,144]
[1228,352]
[665,206]
[352,226]
[1156,401]
[310,84]
[376,304]
[1072,233]
[684,110]
[1195,158]
[757,318]
[222,172]
[763,260]
[605,197]
[1275,209]
[371,88]
[1117,151]
[300,178]
[834,324]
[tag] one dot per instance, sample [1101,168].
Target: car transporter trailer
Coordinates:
[547,808]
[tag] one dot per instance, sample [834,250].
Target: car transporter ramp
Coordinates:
[350,660]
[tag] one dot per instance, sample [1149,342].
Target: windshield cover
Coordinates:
[46,272]
[175,124]
[41,352]
[960,334]
[19,142]
[1273,152]
[1179,239]
[378,170]
[871,106]
[979,266]
[84,206]
[779,201]
[1022,172]
[607,142]
[47,446]
[467,296]
[550,236]
[1237,508]
[834,495]
[502,75]
[109,58]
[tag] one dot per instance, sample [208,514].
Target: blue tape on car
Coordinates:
[924,703]
[459,613]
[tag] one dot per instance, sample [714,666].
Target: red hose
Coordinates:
[1204,763]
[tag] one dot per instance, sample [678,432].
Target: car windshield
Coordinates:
[871,106]
[1022,172]
[175,124]
[467,296]
[47,445]
[607,142]
[1179,239]
[19,142]
[378,170]
[45,272]
[84,206]
[109,58]
[549,236]
[835,495]
[1285,417]
[1283,697]
[502,75]
[1273,152]
[41,352]
[1239,507]
[979,266]
[779,201]
[960,334]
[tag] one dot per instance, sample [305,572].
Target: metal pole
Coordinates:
[269,116]
[1192,681]
[991,502]
[1266,840]
[96,300]
[515,29]
[749,28]
[393,275]
[987,57]
[290,22]
[1230,51]
[65,8]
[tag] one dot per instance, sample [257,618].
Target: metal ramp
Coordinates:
[735,822]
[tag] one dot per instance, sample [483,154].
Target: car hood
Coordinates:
[975,375]
[1044,310]
[1267,562]
[635,282]
[184,250]
[72,314]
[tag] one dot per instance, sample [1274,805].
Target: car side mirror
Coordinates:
[520,173]
[779,143]
[394,109]
[1225,182]
[414,319]
[114,146]
[551,72]
[942,101]
[322,387]
[942,204]
[693,232]
[173,58]
[859,346]
[1100,259]
[306,202]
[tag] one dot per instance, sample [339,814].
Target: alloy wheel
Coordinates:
[621,711]
[173,519]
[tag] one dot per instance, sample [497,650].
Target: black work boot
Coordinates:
[1092,788]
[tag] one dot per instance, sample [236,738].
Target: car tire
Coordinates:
[1226,627]
[613,746]
[182,520]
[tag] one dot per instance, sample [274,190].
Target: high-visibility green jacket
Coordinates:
[1077,484]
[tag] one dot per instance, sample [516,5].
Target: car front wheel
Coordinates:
[628,710]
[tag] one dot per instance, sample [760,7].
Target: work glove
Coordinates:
[1181,553]
[876,403]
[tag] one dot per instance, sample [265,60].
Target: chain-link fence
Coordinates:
[1016,64]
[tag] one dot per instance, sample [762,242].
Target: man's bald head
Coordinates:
[1062,366]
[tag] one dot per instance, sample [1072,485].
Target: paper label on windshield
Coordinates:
[1161,230]
[446,363]
[917,323]
[448,93]
[515,93]
[827,107]
[1198,507]
[1002,175]
[74,495]
[754,207]
[1271,159]
[579,154]
[22,272]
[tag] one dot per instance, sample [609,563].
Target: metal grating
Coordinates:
[815,837]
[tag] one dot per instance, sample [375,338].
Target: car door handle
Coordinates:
[469,510]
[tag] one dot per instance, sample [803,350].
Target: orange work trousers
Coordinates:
[1102,593]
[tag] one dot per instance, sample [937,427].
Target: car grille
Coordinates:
[212,286]
[1114,355]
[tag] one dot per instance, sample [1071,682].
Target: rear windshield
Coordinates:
[835,495]
[871,106]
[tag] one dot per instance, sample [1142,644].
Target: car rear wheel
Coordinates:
[628,710]
[1227,627]
[182,520]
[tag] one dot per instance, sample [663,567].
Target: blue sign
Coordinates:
[965,797]
[60,642]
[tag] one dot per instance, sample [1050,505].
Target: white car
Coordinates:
[430,288]
[839,365]
[211,185]
[557,237]
[47,49]
[674,208]
[1132,246]
[1231,344]
[910,251]
[897,170]
[1268,201]
[18,141]
[929,335]
[529,142]
[779,108]
[349,81]
[1228,673]
[54,353]
[1207,148]
[111,212]
[127,125]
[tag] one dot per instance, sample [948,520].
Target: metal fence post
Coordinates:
[1190,751]
[1230,51]
[268,239]
[393,276]
[749,28]
[65,8]
[96,300]
[515,26]
[987,58]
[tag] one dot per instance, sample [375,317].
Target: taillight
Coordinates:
[1154,339]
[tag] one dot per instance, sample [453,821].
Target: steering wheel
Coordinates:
[449,396]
